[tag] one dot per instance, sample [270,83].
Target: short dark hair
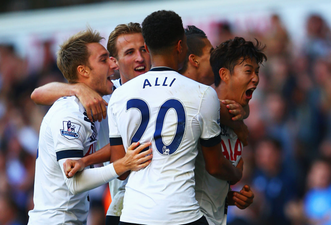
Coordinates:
[229,52]
[162,29]
[195,44]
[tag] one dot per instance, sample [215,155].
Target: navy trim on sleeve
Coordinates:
[211,142]
[69,154]
[115,141]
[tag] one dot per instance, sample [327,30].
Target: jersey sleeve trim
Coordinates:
[211,142]
[115,141]
[69,154]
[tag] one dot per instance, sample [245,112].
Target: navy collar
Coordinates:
[162,68]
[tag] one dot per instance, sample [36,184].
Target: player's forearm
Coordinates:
[226,171]
[218,166]
[225,117]
[90,178]
[103,155]
[49,93]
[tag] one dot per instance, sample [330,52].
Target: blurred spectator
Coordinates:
[318,42]
[325,149]
[317,202]
[223,32]
[276,38]
[275,184]
[9,213]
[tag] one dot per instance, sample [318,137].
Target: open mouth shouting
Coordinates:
[249,92]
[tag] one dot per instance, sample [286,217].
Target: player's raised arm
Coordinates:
[88,179]
[93,103]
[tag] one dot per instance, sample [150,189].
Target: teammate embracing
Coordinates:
[126,48]
[67,133]
[174,113]
[235,64]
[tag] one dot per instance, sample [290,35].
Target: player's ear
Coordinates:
[83,71]
[224,74]
[179,46]
[115,61]
[147,50]
[193,60]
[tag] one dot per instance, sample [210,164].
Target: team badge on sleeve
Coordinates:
[70,130]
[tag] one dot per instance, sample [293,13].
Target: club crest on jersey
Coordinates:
[70,130]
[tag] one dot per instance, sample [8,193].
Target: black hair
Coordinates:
[229,52]
[195,43]
[162,29]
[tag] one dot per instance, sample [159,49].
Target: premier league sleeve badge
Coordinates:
[70,130]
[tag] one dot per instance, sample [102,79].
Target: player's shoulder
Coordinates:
[67,106]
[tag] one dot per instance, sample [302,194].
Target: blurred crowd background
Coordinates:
[287,161]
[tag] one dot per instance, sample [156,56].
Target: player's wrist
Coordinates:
[120,166]
[237,176]
[76,90]
[84,162]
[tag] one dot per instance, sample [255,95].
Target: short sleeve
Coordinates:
[114,134]
[210,119]
[69,134]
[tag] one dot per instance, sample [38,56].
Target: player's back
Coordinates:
[167,109]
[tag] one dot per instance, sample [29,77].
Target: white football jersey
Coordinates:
[103,135]
[211,192]
[65,132]
[173,112]
[116,186]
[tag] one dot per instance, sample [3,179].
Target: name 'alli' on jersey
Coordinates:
[164,82]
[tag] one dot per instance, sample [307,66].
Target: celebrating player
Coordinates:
[197,67]
[235,65]
[126,47]
[66,132]
[174,112]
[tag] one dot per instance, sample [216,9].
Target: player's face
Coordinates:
[243,81]
[206,75]
[132,57]
[101,69]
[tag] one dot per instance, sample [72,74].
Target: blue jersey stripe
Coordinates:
[211,142]
[69,154]
[115,141]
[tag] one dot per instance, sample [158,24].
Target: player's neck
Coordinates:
[164,60]
[222,91]
[191,73]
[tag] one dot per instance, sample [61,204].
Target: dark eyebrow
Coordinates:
[249,65]
[104,55]
[130,49]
